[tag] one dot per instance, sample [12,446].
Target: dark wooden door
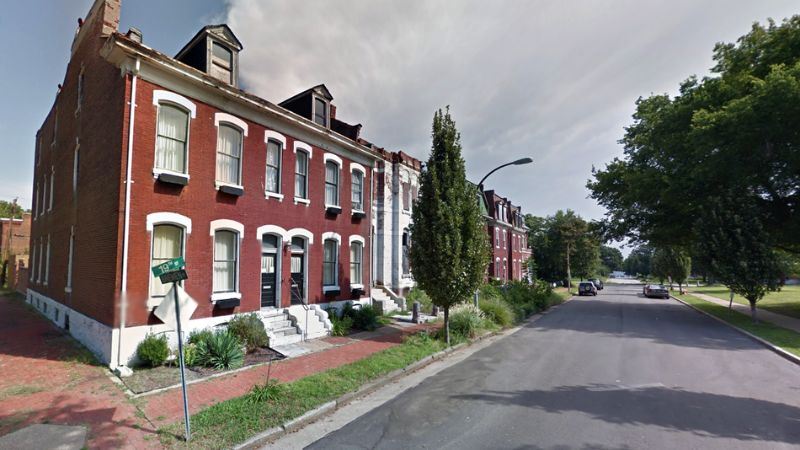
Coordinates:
[268,279]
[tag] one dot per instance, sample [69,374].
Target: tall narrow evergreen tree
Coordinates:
[449,245]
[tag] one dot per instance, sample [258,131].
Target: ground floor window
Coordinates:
[329,262]
[226,254]
[167,244]
[356,252]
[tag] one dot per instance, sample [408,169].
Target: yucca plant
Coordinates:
[220,350]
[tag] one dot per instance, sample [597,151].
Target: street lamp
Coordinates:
[518,162]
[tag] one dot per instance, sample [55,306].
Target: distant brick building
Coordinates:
[508,236]
[15,235]
[144,157]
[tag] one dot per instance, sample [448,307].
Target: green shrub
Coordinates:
[198,336]
[221,350]
[418,295]
[340,327]
[153,350]
[366,318]
[497,311]
[250,331]
[265,392]
[190,355]
[466,321]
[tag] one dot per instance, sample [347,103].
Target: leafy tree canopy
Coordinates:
[733,132]
[10,209]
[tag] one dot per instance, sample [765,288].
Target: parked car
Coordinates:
[587,288]
[597,283]
[656,290]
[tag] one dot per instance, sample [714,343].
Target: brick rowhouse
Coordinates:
[144,157]
[508,236]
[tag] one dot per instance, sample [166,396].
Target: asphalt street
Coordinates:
[615,371]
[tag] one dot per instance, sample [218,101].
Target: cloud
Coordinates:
[555,81]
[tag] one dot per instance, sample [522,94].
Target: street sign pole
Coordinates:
[180,360]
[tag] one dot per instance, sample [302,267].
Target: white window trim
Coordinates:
[300,145]
[356,167]
[272,229]
[52,182]
[332,235]
[229,119]
[304,201]
[356,238]
[68,287]
[238,228]
[176,220]
[171,97]
[305,148]
[226,224]
[226,119]
[75,163]
[158,218]
[80,90]
[274,135]
[32,263]
[302,232]
[338,161]
[35,205]
[362,242]
[47,263]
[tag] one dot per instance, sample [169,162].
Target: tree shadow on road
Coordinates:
[703,414]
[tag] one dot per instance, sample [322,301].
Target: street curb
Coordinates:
[315,414]
[781,352]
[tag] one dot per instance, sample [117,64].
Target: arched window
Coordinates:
[229,154]
[167,244]
[274,151]
[226,260]
[330,262]
[356,254]
[172,136]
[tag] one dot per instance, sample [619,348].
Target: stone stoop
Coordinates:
[383,303]
[318,323]
[281,329]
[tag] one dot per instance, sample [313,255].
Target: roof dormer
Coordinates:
[215,51]
[314,104]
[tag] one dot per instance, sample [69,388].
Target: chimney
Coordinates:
[134,34]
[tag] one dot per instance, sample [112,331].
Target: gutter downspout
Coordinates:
[128,181]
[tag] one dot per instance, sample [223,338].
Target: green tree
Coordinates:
[639,261]
[11,209]
[611,257]
[450,247]
[738,250]
[734,132]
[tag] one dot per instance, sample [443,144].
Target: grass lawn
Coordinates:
[562,293]
[786,301]
[786,339]
[212,427]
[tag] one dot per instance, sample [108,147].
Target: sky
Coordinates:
[553,80]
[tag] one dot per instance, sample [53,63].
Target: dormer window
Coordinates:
[221,63]
[320,112]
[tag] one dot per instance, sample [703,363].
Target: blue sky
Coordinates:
[552,80]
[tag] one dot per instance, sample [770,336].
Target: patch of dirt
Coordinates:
[147,379]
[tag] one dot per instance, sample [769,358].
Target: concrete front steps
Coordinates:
[311,320]
[382,301]
[281,329]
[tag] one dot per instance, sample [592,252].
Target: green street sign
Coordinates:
[170,266]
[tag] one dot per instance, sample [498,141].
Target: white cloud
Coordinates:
[552,80]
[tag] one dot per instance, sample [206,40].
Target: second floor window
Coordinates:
[229,154]
[273,166]
[329,263]
[357,191]
[171,140]
[331,183]
[301,175]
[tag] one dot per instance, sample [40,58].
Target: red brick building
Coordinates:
[15,235]
[145,157]
[508,236]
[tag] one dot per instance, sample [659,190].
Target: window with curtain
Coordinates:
[329,262]
[172,132]
[357,190]
[301,175]
[273,166]
[331,183]
[355,262]
[167,244]
[225,256]
[229,154]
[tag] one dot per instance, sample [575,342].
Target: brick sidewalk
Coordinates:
[45,378]
[167,407]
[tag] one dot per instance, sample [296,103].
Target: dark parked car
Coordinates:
[656,290]
[587,288]
[597,283]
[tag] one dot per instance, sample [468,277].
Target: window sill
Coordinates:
[304,201]
[358,214]
[332,290]
[217,296]
[333,209]
[170,177]
[268,194]
[356,286]
[229,188]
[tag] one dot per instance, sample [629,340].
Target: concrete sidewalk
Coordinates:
[774,318]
